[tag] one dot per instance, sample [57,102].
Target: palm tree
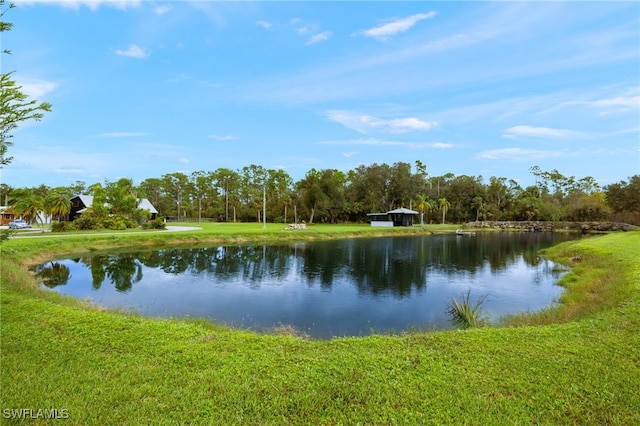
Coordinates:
[430,206]
[421,205]
[444,205]
[26,203]
[58,202]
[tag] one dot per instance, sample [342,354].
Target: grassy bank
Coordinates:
[98,367]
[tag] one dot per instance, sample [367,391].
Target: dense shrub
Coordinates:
[118,223]
[157,223]
[62,226]
[86,222]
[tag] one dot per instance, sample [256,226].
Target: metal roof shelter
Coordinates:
[397,217]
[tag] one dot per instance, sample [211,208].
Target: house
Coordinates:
[80,203]
[397,217]
[6,215]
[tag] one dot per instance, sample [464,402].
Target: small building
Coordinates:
[397,217]
[6,215]
[80,203]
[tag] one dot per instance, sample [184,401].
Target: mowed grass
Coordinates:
[102,367]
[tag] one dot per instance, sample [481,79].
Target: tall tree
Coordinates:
[122,197]
[58,202]
[151,189]
[228,182]
[15,105]
[176,187]
[444,206]
[279,188]
[624,199]
[332,184]
[421,205]
[311,193]
[204,190]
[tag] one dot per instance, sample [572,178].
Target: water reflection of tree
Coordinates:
[122,270]
[53,274]
[389,265]
[97,271]
[252,263]
[395,266]
[497,250]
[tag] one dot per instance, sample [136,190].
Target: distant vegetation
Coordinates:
[333,196]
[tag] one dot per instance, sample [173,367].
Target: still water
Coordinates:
[324,289]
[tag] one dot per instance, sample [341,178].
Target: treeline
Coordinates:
[333,196]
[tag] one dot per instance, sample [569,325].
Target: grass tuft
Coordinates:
[465,315]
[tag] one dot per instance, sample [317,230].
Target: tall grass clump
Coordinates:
[464,315]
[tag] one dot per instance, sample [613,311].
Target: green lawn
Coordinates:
[582,366]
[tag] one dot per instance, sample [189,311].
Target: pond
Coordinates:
[323,289]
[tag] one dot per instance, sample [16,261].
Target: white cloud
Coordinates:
[400,25]
[522,154]
[161,10]
[350,154]
[91,4]
[442,145]
[35,88]
[264,24]
[539,132]
[133,51]
[223,137]
[70,171]
[367,123]
[623,101]
[323,36]
[617,104]
[302,27]
[183,160]
[383,142]
[122,134]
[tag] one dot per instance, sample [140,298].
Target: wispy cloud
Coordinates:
[122,134]
[323,36]
[264,24]
[522,154]
[36,88]
[91,4]
[617,104]
[302,27]
[350,154]
[395,26]
[70,171]
[183,160]
[366,123]
[384,142]
[539,132]
[162,9]
[223,137]
[442,145]
[133,51]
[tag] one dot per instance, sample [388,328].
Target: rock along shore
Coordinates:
[544,226]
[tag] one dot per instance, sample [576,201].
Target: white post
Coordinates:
[264,206]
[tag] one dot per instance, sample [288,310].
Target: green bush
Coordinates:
[5,234]
[86,222]
[157,223]
[62,226]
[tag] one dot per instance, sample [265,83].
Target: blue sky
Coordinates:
[145,88]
